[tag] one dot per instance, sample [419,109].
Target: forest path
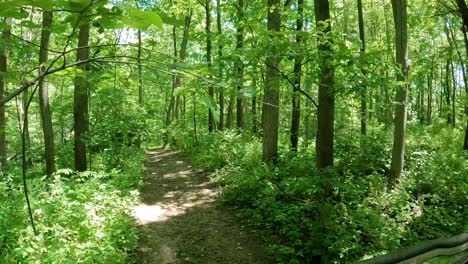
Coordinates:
[180,221]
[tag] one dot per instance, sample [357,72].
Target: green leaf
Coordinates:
[13,12]
[142,19]
[210,102]
[29,24]
[44,4]
[250,91]
[167,19]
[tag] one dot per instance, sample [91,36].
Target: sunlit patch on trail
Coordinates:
[179,220]
[148,213]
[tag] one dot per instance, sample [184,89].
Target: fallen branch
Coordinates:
[438,247]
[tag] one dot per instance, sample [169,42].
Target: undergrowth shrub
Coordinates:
[80,217]
[360,217]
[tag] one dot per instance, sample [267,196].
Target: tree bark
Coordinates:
[270,113]
[81,116]
[47,129]
[211,123]
[454,90]
[363,51]
[140,72]
[429,96]
[240,65]
[448,93]
[220,64]
[401,53]
[296,100]
[254,106]
[463,10]
[230,112]
[326,110]
[4,47]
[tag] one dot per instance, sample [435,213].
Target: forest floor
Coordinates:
[181,222]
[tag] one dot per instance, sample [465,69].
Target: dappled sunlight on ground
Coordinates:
[181,222]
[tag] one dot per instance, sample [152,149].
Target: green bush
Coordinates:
[359,217]
[80,217]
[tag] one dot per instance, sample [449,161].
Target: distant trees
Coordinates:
[231,78]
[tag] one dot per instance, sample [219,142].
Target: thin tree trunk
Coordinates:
[195,117]
[429,97]
[220,65]
[4,47]
[211,123]
[454,90]
[240,65]
[81,116]
[422,110]
[183,54]
[140,72]
[254,107]
[401,53]
[230,113]
[388,99]
[363,51]
[326,110]
[463,9]
[447,92]
[270,113]
[174,103]
[296,100]
[47,129]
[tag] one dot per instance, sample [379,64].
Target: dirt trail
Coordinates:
[180,221]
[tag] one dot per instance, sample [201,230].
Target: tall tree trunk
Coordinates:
[230,112]
[172,109]
[220,64]
[388,99]
[195,136]
[326,110]
[175,99]
[174,103]
[47,129]
[296,100]
[240,65]
[447,92]
[81,116]
[140,72]
[454,90]
[211,123]
[463,10]
[270,113]
[254,105]
[363,51]
[401,53]
[4,47]
[429,96]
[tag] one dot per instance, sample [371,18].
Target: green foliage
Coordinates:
[84,218]
[361,218]
[80,217]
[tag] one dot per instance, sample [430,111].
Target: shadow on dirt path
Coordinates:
[180,221]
